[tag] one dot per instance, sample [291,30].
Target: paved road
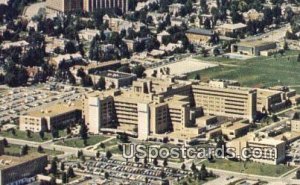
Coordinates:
[274,35]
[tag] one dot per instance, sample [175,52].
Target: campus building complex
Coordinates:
[176,109]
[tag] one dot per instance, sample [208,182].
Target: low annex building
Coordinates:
[58,116]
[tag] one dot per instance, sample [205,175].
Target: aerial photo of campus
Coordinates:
[150,92]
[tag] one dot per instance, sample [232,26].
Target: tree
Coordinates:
[40,149]
[197,77]
[83,131]
[102,145]
[145,161]
[54,133]
[97,154]
[298,58]
[64,178]
[136,159]
[5,143]
[207,24]
[285,46]
[13,131]
[108,154]
[70,47]
[70,173]
[138,70]
[183,166]
[28,133]
[203,172]
[106,175]
[165,163]
[42,134]
[155,162]
[203,5]
[298,174]
[53,168]
[86,81]
[100,84]
[24,150]
[120,147]
[62,166]
[193,167]
[68,131]
[124,69]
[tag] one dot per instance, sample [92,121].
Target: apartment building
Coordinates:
[15,170]
[59,116]
[63,6]
[92,5]
[217,97]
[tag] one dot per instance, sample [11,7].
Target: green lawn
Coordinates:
[15,149]
[256,72]
[249,167]
[192,181]
[34,136]
[78,143]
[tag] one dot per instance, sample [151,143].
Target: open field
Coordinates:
[15,149]
[33,136]
[192,181]
[256,72]
[188,65]
[78,143]
[249,167]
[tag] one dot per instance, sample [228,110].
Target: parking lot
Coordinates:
[135,172]
[18,101]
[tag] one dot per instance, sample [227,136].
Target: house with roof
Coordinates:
[228,29]
[88,34]
[175,8]
[162,35]
[199,36]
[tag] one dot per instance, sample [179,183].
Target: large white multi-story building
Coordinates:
[92,5]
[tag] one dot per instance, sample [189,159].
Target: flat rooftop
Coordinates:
[233,26]
[254,43]
[234,125]
[56,109]
[114,74]
[7,161]
[200,32]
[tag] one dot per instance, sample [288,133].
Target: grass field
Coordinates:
[78,143]
[256,72]
[192,181]
[249,167]
[15,149]
[34,136]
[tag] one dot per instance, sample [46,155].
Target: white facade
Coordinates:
[143,120]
